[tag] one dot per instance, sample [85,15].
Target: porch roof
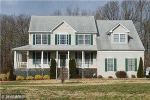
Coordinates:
[57,48]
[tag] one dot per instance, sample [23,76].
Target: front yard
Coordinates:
[76,89]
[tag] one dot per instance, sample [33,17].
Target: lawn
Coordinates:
[80,89]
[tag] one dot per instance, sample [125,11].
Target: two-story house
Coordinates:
[103,46]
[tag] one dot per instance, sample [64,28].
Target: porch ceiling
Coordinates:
[57,47]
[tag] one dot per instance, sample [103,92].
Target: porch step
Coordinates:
[63,72]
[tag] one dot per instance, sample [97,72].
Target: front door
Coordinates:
[62,60]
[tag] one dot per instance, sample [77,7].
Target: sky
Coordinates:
[46,7]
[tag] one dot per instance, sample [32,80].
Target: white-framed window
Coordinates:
[37,57]
[38,39]
[87,57]
[110,64]
[131,64]
[41,39]
[84,39]
[119,37]
[62,39]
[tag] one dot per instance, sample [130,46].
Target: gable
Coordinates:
[119,29]
[63,27]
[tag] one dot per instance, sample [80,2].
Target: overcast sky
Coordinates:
[46,7]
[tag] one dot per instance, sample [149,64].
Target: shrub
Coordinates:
[46,77]
[133,76]
[121,74]
[19,78]
[3,77]
[140,72]
[110,77]
[53,69]
[72,68]
[38,77]
[29,78]
[100,76]
[11,76]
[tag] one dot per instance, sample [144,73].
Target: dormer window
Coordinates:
[119,37]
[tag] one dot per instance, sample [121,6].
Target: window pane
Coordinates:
[116,37]
[38,58]
[38,38]
[87,58]
[62,39]
[45,58]
[110,64]
[80,37]
[44,39]
[122,37]
[131,66]
[80,42]
[87,39]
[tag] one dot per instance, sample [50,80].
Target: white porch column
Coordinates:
[68,65]
[82,59]
[56,62]
[27,61]
[15,60]
[42,59]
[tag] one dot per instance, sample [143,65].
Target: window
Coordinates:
[84,39]
[38,38]
[87,57]
[44,39]
[120,37]
[41,39]
[131,66]
[37,57]
[62,39]
[110,64]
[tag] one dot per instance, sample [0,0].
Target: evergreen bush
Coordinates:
[72,68]
[29,78]
[53,69]
[11,75]
[140,72]
[38,77]
[19,77]
[46,77]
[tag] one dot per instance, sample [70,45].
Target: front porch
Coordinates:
[42,59]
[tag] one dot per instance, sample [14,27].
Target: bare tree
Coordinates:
[110,11]
[57,12]
[69,11]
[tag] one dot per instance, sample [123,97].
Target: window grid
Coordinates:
[84,39]
[41,39]
[38,58]
[62,39]
[131,64]
[110,64]
[120,37]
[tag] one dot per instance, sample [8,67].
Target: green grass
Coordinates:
[80,89]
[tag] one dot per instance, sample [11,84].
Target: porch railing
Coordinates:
[21,64]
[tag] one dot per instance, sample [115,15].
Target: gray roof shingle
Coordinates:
[104,43]
[82,24]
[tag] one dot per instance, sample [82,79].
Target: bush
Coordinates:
[133,76]
[53,69]
[11,75]
[121,74]
[72,68]
[38,77]
[46,77]
[29,78]
[3,77]
[140,72]
[100,76]
[110,77]
[19,78]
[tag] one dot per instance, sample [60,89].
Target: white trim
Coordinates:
[30,32]
[60,24]
[68,63]
[56,62]
[117,26]
[15,61]
[42,59]
[27,59]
